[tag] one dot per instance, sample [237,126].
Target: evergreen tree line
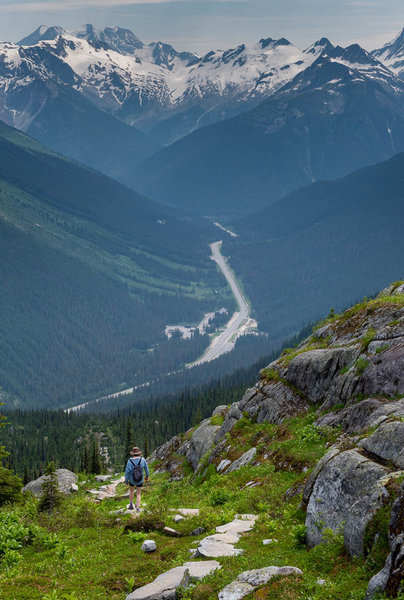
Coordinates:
[93,442]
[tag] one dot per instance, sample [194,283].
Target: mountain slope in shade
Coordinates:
[392,54]
[321,246]
[91,273]
[38,95]
[343,112]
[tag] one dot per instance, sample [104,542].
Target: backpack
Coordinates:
[137,471]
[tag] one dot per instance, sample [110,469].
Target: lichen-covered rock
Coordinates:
[387,443]
[384,374]
[65,479]
[314,372]
[352,419]
[201,441]
[274,402]
[347,492]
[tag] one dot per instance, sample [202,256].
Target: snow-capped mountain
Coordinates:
[54,82]
[119,39]
[343,112]
[392,54]
[156,88]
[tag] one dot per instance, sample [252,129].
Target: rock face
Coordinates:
[387,443]
[347,492]
[390,579]
[66,479]
[201,441]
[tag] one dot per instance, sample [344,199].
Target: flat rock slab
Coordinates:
[209,548]
[199,570]
[225,538]
[247,581]
[186,512]
[164,587]
[171,532]
[238,525]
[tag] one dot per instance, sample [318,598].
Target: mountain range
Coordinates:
[106,99]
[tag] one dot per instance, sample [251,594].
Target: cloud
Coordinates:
[63,5]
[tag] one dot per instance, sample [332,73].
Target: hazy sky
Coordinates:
[201,25]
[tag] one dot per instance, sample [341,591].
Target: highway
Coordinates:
[224,342]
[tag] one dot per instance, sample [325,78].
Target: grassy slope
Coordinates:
[93,556]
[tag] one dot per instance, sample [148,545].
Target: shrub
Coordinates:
[299,534]
[218,497]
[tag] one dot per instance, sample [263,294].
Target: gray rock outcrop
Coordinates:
[149,546]
[387,443]
[346,494]
[200,442]
[390,579]
[65,479]
[244,460]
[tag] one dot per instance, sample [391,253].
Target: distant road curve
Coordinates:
[226,340]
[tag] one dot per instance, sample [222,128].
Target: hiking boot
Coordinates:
[130,507]
[138,510]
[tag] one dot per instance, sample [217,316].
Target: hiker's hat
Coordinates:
[135,451]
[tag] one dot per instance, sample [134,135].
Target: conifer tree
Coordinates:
[51,496]
[129,440]
[95,458]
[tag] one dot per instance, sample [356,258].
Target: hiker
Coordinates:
[134,476]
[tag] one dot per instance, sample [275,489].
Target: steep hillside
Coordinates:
[343,112]
[321,246]
[342,387]
[237,506]
[91,274]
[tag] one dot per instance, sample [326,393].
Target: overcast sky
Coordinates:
[201,25]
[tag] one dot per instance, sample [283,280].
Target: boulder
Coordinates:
[198,531]
[149,546]
[244,460]
[347,492]
[247,581]
[164,587]
[65,479]
[102,478]
[201,441]
[387,443]
[178,518]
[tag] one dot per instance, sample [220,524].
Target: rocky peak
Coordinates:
[42,33]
